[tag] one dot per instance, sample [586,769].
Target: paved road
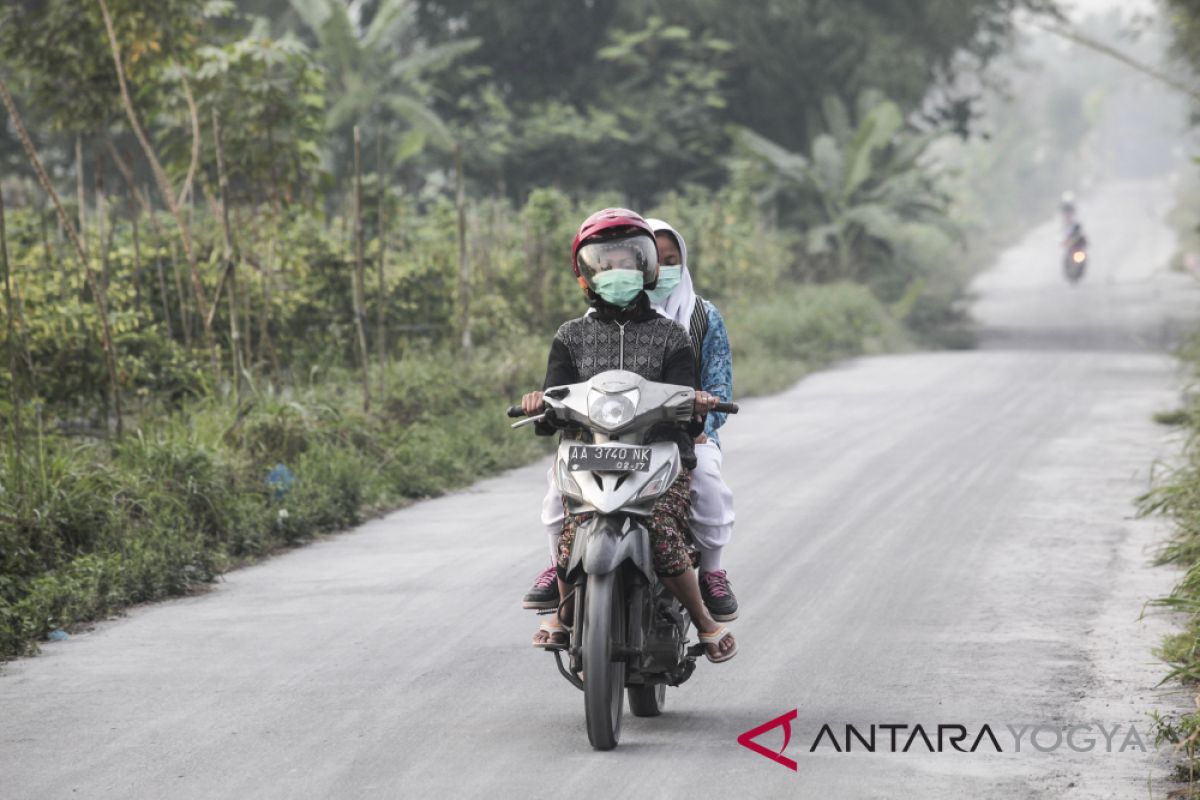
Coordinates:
[923,539]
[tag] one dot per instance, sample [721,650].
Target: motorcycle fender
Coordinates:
[603,542]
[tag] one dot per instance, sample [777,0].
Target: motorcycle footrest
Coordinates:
[696,650]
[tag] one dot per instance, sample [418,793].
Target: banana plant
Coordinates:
[375,71]
[858,187]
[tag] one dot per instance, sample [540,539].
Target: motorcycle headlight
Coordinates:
[611,411]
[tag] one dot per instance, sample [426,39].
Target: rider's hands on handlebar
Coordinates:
[532,404]
[705,403]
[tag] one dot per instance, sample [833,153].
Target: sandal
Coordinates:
[715,638]
[556,637]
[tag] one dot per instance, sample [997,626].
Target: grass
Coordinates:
[1176,495]
[88,528]
[782,338]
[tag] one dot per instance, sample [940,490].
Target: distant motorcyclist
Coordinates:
[1072,228]
[1074,242]
[615,259]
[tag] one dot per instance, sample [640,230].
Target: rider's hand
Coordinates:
[702,438]
[532,404]
[705,403]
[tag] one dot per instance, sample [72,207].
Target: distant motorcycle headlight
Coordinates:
[611,411]
[1079,256]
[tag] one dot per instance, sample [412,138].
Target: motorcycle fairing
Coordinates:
[604,542]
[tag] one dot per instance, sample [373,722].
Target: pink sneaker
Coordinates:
[717,596]
[544,592]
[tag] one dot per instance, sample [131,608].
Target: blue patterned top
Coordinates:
[716,367]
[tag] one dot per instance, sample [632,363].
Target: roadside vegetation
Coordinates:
[1176,492]
[271,267]
[1176,495]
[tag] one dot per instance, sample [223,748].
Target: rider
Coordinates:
[712,502]
[1071,227]
[615,259]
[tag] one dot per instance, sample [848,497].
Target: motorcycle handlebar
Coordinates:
[722,408]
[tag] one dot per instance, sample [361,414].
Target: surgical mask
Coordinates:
[668,279]
[618,286]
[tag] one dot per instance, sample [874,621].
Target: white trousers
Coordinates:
[712,505]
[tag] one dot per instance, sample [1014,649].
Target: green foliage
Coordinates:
[862,188]
[556,110]
[98,527]
[698,66]
[800,329]
[1176,495]
[875,209]
[375,74]
[61,57]
[271,100]
[653,111]
[61,357]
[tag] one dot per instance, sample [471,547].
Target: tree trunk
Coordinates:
[359,277]
[381,231]
[185,315]
[103,225]
[14,392]
[464,267]
[79,195]
[235,348]
[137,259]
[48,256]
[264,332]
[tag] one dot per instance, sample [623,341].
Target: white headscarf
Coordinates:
[682,301]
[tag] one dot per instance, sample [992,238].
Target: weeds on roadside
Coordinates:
[97,526]
[1176,495]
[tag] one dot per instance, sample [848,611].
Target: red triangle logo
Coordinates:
[747,739]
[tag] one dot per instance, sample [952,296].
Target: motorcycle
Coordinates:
[1076,255]
[628,635]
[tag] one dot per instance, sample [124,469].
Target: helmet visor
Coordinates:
[637,252]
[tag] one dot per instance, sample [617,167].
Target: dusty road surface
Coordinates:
[923,539]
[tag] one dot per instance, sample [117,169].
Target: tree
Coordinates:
[270,95]
[57,53]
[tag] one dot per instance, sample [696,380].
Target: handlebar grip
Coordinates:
[726,408]
[515,411]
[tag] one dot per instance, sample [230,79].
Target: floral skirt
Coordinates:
[670,540]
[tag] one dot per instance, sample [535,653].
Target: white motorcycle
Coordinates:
[630,634]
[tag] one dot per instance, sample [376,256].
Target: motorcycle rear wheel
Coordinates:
[604,679]
[647,701]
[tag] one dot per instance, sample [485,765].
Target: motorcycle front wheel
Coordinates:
[603,678]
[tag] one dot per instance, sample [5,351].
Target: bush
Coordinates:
[792,332]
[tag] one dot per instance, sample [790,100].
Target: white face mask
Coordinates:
[668,279]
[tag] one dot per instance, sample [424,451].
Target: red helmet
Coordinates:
[612,225]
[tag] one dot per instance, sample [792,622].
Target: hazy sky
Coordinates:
[1079,8]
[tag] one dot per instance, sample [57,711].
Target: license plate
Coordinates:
[610,458]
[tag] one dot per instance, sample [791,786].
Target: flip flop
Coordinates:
[715,638]
[557,639]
